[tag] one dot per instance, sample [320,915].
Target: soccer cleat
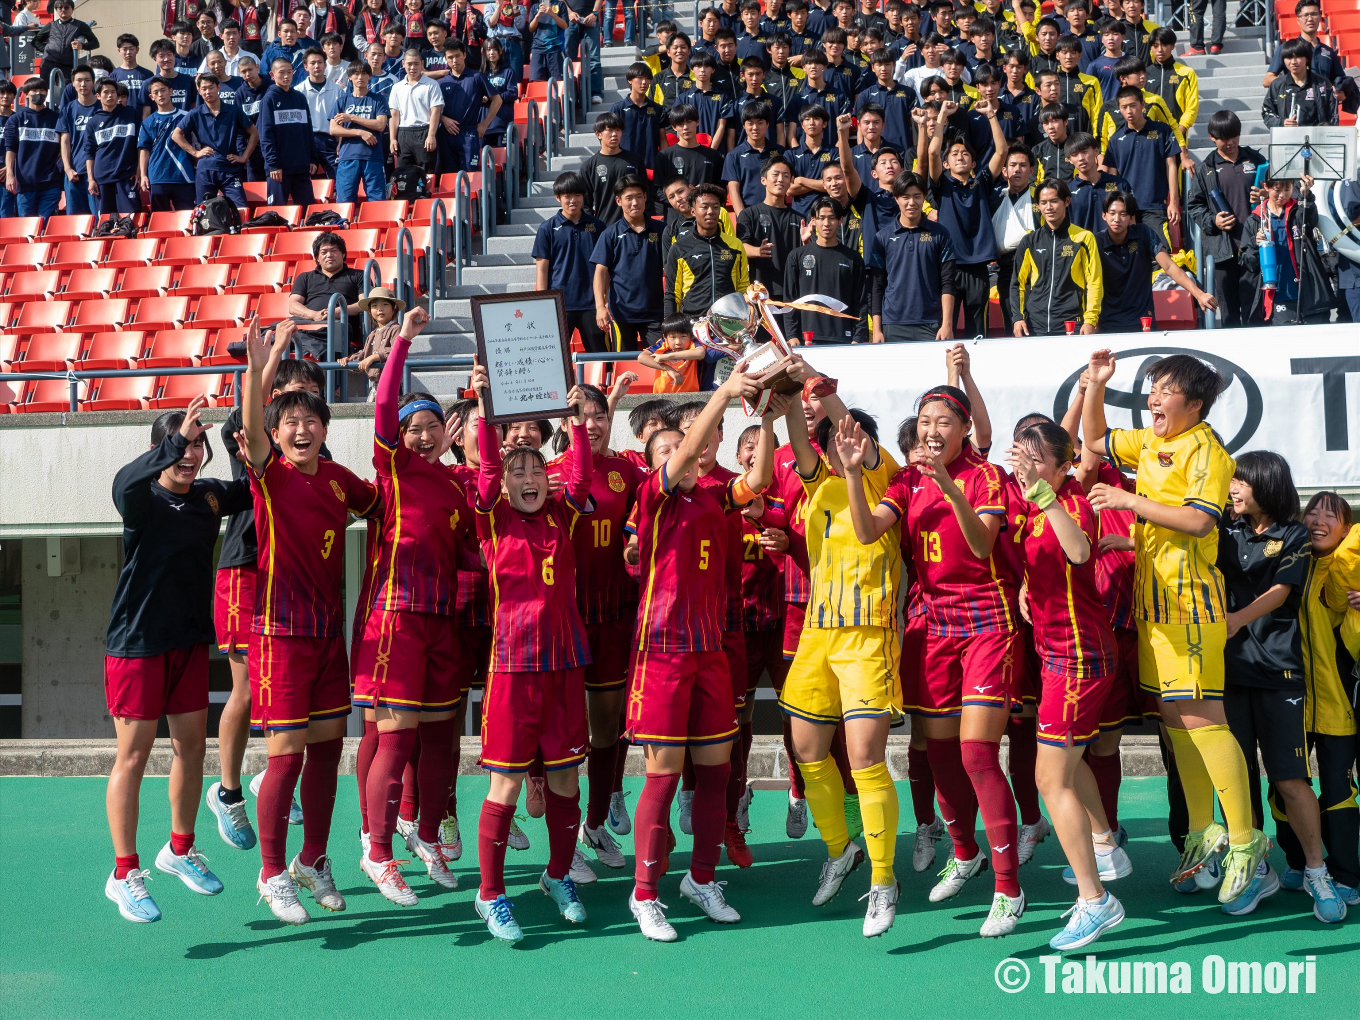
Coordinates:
[955,875]
[233,821]
[405,827]
[649,916]
[317,879]
[280,892]
[709,898]
[130,894]
[618,814]
[294,809]
[602,844]
[1086,922]
[191,869]
[580,872]
[517,839]
[386,875]
[835,872]
[686,799]
[1110,866]
[1030,837]
[1208,876]
[562,891]
[499,921]
[451,838]
[1005,912]
[744,809]
[1349,894]
[738,853]
[1328,907]
[535,803]
[882,910]
[927,835]
[854,824]
[364,843]
[796,821]
[1264,883]
[432,856]
[1292,880]
[1199,847]
[1240,865]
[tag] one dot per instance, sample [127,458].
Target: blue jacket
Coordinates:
[285,124]
[32,136]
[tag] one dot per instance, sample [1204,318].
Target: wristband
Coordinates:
[819,386]
[1041,494]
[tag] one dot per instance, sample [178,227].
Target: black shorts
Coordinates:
[920,332]
[1273,722]
[634,336]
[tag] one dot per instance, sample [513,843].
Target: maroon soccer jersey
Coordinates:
[682,541]
[762,580]
[425,511]
[473,604]
[300,528]
[963,594]
[718,482]
[532,568]
[604,591]
[635,458]
[1071,634]
[1114,567]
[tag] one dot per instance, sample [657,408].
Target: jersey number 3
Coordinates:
[329,539]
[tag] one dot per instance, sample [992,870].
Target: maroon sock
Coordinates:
[708,819]
[748,737]
[122,865]
[363,761]
[958,803]
[1024,752]
[651,827]
[436,774]
[842,758]
[181,845]
[620,764]
[320,775]
[563,815]
[795,776]
[1108,772]
[600,779]
[922,785]
[687,773]
[982,762]
[410,783]
[736,779]
[271,810]
[384,790]
[493,829]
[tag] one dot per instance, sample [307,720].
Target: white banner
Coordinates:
[1294,390]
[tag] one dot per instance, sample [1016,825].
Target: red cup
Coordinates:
[807,337]
[1070,326]
[1147,323]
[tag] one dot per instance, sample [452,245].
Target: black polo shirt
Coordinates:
[1268,652]
[635,261]
[699,165]
[315,288]
[1126,269]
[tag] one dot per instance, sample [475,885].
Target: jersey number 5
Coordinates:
[703,554]
[329,539]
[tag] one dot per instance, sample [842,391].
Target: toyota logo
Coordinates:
[1136,400]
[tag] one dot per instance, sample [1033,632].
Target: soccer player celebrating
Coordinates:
[535,707]
[1182,629]
[1077,651]
[156,657]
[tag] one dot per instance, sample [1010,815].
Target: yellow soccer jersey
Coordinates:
[1175,577]
[1328,709]
[1344,576]
[853,585]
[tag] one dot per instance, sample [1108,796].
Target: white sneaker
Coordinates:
[451,838]
[387,877]
[280,892]
[1110,867]
[619,821]
[955,876]
[517,840]
[927,835]
[796,821]
[580,872]
[744,809]
[131,897]
[686,810]
[602,844]
[318,880]
[709,898]
[651,920]
[1004,914]
[1030,837]
[882,910]
[432,856]
[835,872]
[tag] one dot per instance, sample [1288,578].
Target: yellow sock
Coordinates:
[1227,767]
[1195,781]
[825,795]
[878,808]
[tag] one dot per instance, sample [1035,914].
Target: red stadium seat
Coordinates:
[260,278]
[291,214]
[160,313]
[42,317]
[345,210]
[26,255]
[122,393]
[178,390]
[88,284]
[49,395]
[272,307]
[185,251]
[126,253]
[323,190]
[366,241]
[9,350]
[6,314]
[239,249]
[99,315]
[34,285]
[145,281]
[257,192]
[68,228]
[71,255]
[1175,309]
[222,311]
[390,213]
[295,246]
[20,228]
[169,223]
[51,352]
[203,279]
[217,353]
[175,348]
[112,350]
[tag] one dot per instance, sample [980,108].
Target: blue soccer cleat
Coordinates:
[562,891]
[499,921]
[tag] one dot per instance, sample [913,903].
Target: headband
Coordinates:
[948,399]
[420,405]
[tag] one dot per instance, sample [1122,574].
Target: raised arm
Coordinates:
[488,445]
[960,374]
[1093,427]
[386,422]
[252,402]
[1075,545]
[686,456]
[760,475]
[853,447]
[131,485]
[582,462]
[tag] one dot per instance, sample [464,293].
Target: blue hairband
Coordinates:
[420,405]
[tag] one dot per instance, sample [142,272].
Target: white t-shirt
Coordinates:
[413,102]
[1013,219]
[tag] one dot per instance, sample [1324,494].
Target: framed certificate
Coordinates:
[522,340]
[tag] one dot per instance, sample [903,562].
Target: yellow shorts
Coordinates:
[844,673]
[1181,661]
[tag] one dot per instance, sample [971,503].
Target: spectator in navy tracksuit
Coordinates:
[503,77]
[109,155]
[167,172]
[225,139]
[285,126]
[254,85]
[71,122]
[470,104]
[33,154]
[7,94]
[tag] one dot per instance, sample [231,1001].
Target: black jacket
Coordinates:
[1223,246]
[55,38]
[1313,102]
[1317,294]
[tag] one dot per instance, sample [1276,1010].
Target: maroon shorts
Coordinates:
[680,698]
[734,647]
[980,669]
[172,683]
[1127,702]
[794,615]
[297,680]
[1028,685]
[609,642]
[1070,708]
[528,716]
[910,665]
[765,652]
[407,661]
[233,606]
[474,656]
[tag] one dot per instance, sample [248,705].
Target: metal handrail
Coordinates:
[337,317]
[437,251]
[373,278]
[406,271]
[550,135]
[568,96]
[513,159]
[56,85]
[534,129]
[1210,318]
[462,215]
[488,196]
